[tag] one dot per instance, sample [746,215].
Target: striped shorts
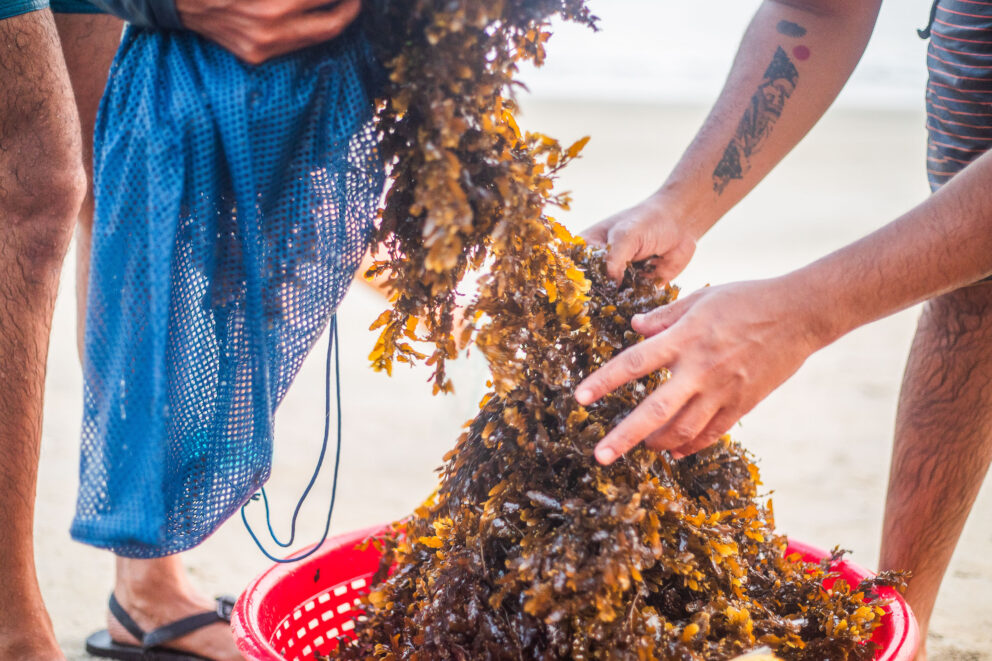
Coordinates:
[959,92]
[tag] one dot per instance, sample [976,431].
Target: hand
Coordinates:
[651,230]
[727,348]
[257,30]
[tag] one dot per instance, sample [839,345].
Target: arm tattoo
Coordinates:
[790,29]
[756,125]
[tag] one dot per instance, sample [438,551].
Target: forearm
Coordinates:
[941,245]
[793,61]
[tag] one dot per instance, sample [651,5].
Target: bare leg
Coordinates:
[41,187]
[943,441]
[154,592]
[89,42]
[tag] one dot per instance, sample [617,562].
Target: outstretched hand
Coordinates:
[726,347]
[258,30]
[652,230]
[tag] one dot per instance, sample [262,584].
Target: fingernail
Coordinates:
[638,318]
[583,396]
[605,456]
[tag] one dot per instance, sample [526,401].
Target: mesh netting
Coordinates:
[233,206]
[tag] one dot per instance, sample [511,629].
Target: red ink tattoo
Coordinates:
[801,53]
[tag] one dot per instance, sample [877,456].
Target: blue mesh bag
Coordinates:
[233,206]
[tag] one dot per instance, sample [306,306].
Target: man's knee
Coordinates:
[39,215]
[951,359]
[42,182]
[963,313]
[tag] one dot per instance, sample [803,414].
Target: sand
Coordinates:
[823,438]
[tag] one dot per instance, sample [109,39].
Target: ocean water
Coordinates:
[679,52]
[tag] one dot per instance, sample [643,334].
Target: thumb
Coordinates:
[624,248]
[596,235]
[661,318]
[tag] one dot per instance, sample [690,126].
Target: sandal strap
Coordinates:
[125,620]
[179,628]
[176,629]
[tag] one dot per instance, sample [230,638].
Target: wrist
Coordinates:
[679,200]
[818,307]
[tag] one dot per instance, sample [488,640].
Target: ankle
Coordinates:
[146,582]
[25,628]
[30,644]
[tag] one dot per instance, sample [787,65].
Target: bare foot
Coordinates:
[25,629]
[32,647]
[30,651]
[157,592]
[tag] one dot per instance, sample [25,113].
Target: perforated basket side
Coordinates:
[294,610]
[315,625]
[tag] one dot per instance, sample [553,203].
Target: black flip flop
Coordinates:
[152,642]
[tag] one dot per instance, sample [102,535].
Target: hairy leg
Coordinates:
[153,592]
[41,188]
[943,441]
[89,42]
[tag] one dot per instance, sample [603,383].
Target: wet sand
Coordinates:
[823,439]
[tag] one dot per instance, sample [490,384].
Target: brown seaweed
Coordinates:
[529,550]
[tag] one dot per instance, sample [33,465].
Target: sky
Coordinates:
[680,51]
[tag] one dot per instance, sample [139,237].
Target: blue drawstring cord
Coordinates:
[332,348]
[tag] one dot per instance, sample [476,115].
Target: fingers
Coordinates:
[718,426]
[596,235]
[318,26]
[631,364]
[672,263]
[625,247]
[702,442]
[274,32]
[661,318]
[653,412]
[274,10]
[686,426]
[629,243]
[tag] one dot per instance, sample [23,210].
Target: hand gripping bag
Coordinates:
[233,206]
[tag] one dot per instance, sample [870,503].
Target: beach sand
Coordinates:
[823,439]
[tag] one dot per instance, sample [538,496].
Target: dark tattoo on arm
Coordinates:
[766,106]
[790,29]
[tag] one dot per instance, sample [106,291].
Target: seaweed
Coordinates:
[468,188]
[529,549]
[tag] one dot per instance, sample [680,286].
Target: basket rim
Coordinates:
[245,616]
[901,628]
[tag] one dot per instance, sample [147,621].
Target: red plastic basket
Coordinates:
[293,611]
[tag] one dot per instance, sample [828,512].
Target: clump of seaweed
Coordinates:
[530,550]
[468,188]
